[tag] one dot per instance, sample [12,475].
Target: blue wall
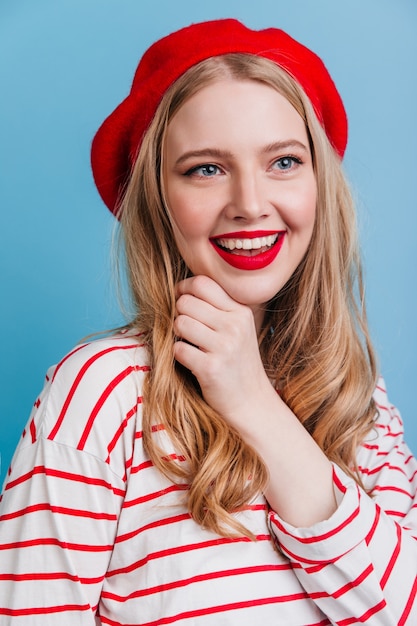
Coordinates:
[64,65]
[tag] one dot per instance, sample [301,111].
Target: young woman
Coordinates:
[230,457]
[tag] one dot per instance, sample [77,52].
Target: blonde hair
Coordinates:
[314,343]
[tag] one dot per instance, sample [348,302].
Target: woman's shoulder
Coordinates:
[109,353]
[92,397]
[388,417]
[387,467]
[384,450]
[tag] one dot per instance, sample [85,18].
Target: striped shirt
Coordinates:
[92,533]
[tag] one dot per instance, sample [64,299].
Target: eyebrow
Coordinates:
[275,146]
[205,152]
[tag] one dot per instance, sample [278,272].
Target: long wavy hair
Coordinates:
[314,343]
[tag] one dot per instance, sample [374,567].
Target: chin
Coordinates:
[253,293]
[253,300]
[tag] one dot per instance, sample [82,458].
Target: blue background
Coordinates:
[64,66]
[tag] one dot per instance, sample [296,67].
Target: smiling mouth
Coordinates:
[246,246]
[249,251]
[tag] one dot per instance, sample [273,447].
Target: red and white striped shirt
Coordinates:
[91,533]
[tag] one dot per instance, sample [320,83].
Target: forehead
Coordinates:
[235,109]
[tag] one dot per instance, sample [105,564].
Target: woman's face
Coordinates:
[240,188]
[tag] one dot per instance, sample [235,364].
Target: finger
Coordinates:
[205,288]
[200,310]
[189,356]
[194,332]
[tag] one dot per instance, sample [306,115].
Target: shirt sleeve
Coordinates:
[61,501]
[360,566]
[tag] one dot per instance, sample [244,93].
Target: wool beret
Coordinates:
[117,141]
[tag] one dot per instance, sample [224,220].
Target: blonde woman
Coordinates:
[230,456]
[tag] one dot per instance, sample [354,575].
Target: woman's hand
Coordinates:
[217,342]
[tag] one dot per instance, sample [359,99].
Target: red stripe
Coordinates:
[46,506]
[45,610]
[155,428]
[387,427]
[362,618]
[372,447]
[196,579]
[393,489]
[254,507]
[85,345]
[184,548]
[61,363]
[156,524]
[392,560]
[52,541]
[106,393]
[392,513]
[346,588]
[154,495]
[221,608]
[310,569]
[296,557]
[41,469]
[122,427]
[51,576]
[174,457]
[338,482]
[374,526]
[384,407]
[395,435]
[78,379]
[141,466]
[377,470]
[128,465]
[32,429]
[403,619]
[354,583]
[318,538]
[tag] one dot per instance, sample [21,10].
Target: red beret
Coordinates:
[116,143]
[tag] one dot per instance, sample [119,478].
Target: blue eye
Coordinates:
[286,163]
[205,171]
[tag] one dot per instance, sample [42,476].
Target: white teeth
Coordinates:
[248,244]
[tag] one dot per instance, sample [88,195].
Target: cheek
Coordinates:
[189,218]
[308,204]
[179,212]
[308,211]
[300,215]
[188,232]
[189,227]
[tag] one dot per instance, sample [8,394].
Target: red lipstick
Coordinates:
[250,261]
[248,234]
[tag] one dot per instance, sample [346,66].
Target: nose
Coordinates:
[247,200]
